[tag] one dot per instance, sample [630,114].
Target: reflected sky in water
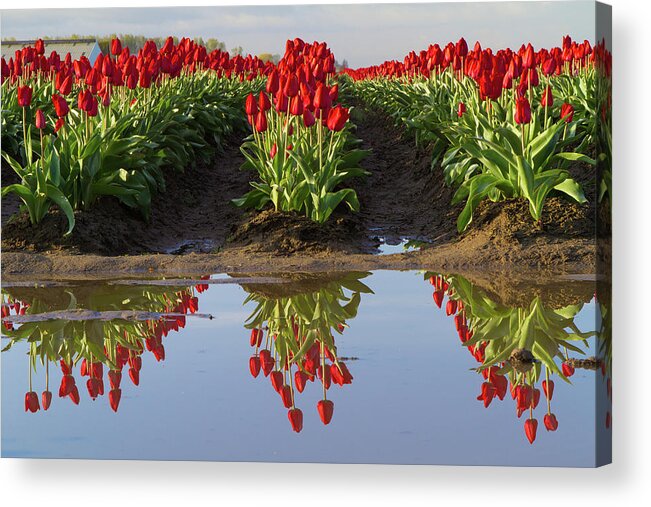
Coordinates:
[413,398]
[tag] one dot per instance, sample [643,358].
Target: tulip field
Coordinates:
[499,124]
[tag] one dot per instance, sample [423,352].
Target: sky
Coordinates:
[363,34]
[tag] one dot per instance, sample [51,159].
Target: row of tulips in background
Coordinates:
[505,124]
[519,350]
[301,144]
[96,346]
[74,132]
[294,344]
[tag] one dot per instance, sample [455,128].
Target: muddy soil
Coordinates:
[402,199]
[193,215]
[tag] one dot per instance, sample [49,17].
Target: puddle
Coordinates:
[389,247]
[384,367]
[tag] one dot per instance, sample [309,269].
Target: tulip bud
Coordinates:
[530,427]
[31,402]
[115,377]
[24,96]
[300,379]
[40,120]
[254,366]
[134,375]
[277,380]
[567,112]
[568,369]
[295,416]
[114,398]
[46,399]
[286,395]
[548,389]
[522,111]
[325,409]
[461,109]
[551,424]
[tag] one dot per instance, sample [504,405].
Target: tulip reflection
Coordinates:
[520,350]
[93,346]
[293,337]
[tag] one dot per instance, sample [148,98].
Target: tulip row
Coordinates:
[501,125]
[97,344]
[74,132]
[513,345]
[300,334]
[301,145]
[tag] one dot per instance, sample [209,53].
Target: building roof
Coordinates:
[76,47]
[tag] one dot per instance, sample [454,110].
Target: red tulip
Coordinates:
[340,374]
[115,377]
[461,48]
[296,106]
[536,398]
[60,123]
[568,369]
[24,96]
[273,82]
[337,118]
[548,389]
[261,122]
[567,112]
[530,427]
[322,98]
[254,366]
[461,109]
[300,379]
[438,297]
[134,375]
[487,393]
[251,108]
[114,398]
[116,47]
[501,385]
[524,397]
[263,102]
[266,362]
[308,118]
[286,396]
[451,307]
[550,422]
[31,402]
[74,395]
[67,385]
[40,119]
[39,47]
[291,86]
[277,380]
[46,399]
[522,111]
[92,385]
[66,86]
[296,419]
[325,409]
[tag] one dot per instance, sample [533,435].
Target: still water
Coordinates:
[393,362]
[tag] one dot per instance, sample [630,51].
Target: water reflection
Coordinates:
[86,348]
[294,339]
[323,342]
[522,349]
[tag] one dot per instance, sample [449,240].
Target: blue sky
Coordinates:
[364,34]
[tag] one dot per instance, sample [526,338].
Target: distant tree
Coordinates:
[237,50]
[268,57]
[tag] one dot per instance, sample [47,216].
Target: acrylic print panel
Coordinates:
[261,240]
